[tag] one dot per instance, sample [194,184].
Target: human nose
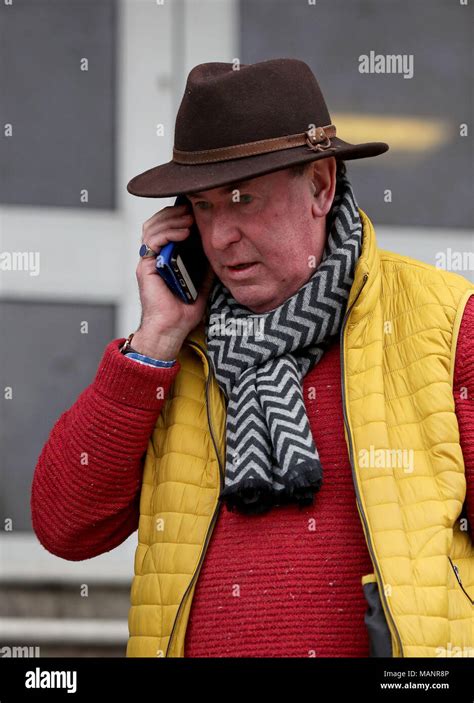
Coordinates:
[223,229]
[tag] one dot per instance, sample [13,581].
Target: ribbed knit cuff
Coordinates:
[136,385]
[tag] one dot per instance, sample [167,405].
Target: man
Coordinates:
[327,421]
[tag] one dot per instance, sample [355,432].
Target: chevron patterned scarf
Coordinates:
[260,360]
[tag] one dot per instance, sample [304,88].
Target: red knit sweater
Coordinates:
[286,583]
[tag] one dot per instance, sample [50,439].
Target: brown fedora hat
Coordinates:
[236,123]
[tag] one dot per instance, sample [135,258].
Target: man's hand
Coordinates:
[166,320]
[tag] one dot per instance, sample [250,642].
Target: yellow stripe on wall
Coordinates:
[401,133]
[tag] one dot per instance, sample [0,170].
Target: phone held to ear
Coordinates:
[182,265]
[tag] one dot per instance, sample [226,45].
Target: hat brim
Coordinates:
[172,179]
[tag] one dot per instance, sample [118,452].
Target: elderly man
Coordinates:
[335,424]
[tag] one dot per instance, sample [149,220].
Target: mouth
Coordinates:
[242,269]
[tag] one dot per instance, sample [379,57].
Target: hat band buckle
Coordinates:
[317,139]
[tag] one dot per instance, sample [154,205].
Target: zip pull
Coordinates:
[456,571]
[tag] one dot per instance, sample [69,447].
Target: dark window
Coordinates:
[48,363]
[63,118]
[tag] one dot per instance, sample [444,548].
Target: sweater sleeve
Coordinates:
[463,389]
[86,485]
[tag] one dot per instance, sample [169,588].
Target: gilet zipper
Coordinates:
[458,577]
[216,512]
[354,477]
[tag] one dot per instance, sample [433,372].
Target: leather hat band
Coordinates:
[316,138]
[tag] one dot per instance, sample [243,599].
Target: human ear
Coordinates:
[323,183]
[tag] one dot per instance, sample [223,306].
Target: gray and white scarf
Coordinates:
[260,361]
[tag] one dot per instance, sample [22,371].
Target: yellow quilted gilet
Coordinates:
[398,344]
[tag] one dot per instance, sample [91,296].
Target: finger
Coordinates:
[148,264]
[166,213]
[158,240]
[170,225]
[166,220]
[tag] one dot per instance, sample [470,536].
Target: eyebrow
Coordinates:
[225,189]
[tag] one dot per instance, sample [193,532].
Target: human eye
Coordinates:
[201,205]
[245,198]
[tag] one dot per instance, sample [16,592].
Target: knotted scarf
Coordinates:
[260,361]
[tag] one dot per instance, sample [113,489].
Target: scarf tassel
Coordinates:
[253,497]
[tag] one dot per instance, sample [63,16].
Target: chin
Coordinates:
[245,297]
[251,294]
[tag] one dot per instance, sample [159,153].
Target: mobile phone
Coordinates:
[183,265]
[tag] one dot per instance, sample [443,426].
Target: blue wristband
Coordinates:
[148,361]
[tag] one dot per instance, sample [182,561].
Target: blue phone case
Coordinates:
[165,270]
[182,265]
